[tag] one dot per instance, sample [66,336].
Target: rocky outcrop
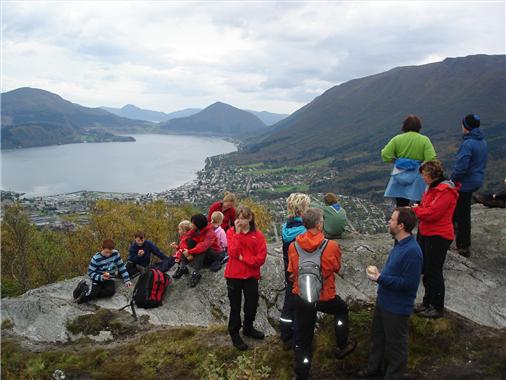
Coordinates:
[475,288]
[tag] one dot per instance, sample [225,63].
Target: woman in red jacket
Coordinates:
[227,207]
[247,251]
[435,234]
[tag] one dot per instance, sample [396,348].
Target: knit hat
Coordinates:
[199,220]
[471,121]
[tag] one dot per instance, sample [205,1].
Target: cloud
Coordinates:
[275,56]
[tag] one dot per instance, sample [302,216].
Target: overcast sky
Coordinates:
[274,56]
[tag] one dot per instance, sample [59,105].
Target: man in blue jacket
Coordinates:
[139,256]
[469,171]
[397,286]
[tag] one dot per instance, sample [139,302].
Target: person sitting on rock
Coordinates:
[183,229]
[296,205]
[216,220]
[247,251]
[334,217]
[227,207]
[491,200]
[205,251]
[304,249]
[139,256]
[102,270]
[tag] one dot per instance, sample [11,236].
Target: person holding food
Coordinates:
[397,286]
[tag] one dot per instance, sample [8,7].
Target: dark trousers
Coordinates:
[401,202]
[434,250]
[100,290]
[208,258]
[235,289]
[462,220]
[389,344]
[163,265]
[305,319]
[286,320]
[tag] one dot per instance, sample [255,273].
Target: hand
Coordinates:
[415,205]
[128,284]
[372,273]
[240,258]
[189,257]
[140,252]
[106,276]
[237,225]
[173,245]
[185,253]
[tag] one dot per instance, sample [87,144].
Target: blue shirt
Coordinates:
[398,282]
[100,264]
[149,248]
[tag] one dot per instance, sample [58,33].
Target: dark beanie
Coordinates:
[471,121]
[199,220]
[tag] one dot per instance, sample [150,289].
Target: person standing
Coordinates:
[407,151]
[312,247]
[225,206]
[397,286]
[469,171]
[435,234]
[247,251]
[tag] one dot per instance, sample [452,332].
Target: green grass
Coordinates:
[260,168]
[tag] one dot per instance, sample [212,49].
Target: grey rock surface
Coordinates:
[475,287]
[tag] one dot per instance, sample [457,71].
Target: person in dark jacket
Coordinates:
[139,256]
[435,234]
[469,171]
[227,208]
[397,286]
[492,200]
[296,205]
[247,251]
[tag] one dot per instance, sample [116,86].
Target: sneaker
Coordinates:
[180,271]
[465,252]
[238,342]
[81,288]
[431,312]
[253,333]
[194,279]
[348,349]
[419,308]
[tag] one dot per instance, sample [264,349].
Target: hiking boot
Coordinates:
[419,308]
[482,198]
[348,349]
[194,279]
[81,288]
[180,271]
[465,252]
[253,333]
[238,342]
[431,312]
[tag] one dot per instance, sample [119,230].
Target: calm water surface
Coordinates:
[151,164]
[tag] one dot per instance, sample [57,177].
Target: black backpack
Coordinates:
[150,288]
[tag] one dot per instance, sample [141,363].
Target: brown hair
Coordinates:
[411,124]
[229,197]
[139,234]
[246,213]
[434,169]
[407,217]
[108,244]
[330,199]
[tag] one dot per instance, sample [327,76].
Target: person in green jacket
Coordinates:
[334,217]
[407,151]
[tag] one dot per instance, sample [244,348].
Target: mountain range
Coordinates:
[351,122]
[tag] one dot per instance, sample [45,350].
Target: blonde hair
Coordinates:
[229,197]
[185,225]
[217,217]
[297,203]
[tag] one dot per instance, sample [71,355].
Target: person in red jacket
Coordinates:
[329,302]
[247,251]
[203,249]
[227,207]
[435,234]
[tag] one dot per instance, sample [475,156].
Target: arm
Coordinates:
[132,252]
[462,164]
[157,251]
[260,253]
[93,271]
[204,245]
[409,279]
[437,208]
[121,268]
[234,243]
[429,153]
[223,239]
[388,152]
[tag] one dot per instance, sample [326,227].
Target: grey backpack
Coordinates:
[310,272]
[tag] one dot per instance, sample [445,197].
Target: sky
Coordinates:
[262,55]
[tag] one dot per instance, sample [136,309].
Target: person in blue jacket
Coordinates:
[139,256]
[469,171]
[397,286]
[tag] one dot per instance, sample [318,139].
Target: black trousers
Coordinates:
[100,290]
[286,320]
[389,344]
[434,250]
[163,265]
[462,220]
[305,319]
[401,202]
[235,288]
[208,258]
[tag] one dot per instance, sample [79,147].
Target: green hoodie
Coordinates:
[411,145]
[334,222]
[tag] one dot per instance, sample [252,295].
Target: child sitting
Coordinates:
[183,229]
[216,220]
[102,271]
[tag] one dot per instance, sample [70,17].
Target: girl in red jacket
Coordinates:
[247,251]
[435,234]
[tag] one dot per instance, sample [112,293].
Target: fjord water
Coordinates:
[152,163]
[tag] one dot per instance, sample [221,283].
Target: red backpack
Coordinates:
[150,288]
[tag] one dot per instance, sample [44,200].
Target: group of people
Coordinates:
[312,255]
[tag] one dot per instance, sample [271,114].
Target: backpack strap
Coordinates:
[318,250]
